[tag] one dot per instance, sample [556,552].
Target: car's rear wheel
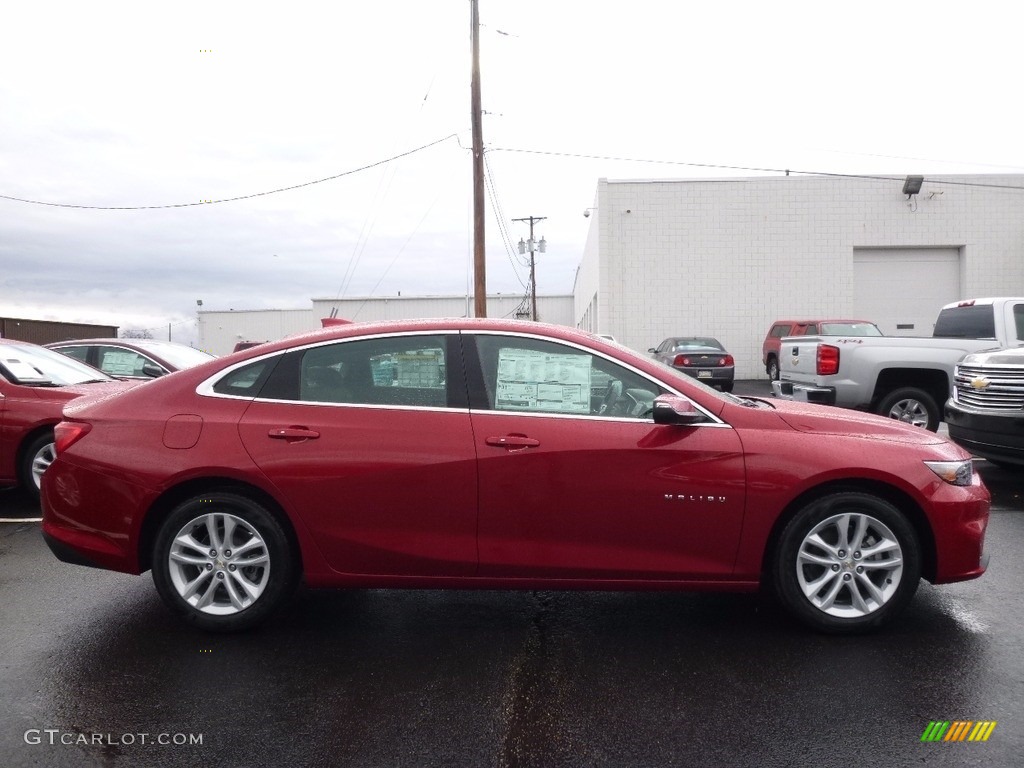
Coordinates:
[847,562]
[223,562]
[912,406]
[38,456]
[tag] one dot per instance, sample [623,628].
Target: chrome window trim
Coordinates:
[205,387]
[715,421]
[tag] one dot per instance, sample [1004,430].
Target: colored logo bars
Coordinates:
[958,730]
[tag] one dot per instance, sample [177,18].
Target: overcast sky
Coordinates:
[156,107]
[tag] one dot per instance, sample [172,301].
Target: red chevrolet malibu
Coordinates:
[500,454]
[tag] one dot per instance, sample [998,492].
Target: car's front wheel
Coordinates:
[772,368]
[223,562]
[847,562]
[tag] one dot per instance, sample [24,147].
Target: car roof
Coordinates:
[424,325]
[824,320]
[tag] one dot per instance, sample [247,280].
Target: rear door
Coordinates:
[370,443]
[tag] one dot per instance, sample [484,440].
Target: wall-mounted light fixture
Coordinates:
[912,185]
[586,213]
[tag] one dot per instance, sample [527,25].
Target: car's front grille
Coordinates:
[990,387]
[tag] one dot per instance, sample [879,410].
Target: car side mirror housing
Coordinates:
[152,370]
[673,409]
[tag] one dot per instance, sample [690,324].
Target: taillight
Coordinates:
[727,360]
[67,433]
[681,360]
[828,360]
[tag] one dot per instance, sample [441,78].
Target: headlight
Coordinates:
[953,472]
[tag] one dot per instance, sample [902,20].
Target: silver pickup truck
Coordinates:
[905,378]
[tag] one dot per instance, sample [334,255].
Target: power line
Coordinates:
[232,199]
[751,169]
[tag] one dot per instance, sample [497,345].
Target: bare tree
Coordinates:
[136,333]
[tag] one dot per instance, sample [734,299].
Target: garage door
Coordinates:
[902,289]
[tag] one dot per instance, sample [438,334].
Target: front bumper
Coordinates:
[990,435]
[804,393]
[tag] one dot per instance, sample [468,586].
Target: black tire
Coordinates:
[911,405]
[772,369]
[856,605]
[38,455]
[243,576]
[727,387]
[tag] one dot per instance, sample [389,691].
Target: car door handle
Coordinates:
[293,433]
[513,441]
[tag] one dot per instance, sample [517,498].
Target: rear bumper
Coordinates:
[805,393]
[100,534]
[725,375]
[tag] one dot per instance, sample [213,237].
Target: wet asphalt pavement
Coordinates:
[95,672]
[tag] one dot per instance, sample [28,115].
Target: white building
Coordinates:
[220,331]
[727,257]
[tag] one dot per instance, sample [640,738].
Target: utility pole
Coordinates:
[479,253]
[532,246]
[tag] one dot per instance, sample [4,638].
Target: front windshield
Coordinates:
[31,365]
[850,329]
[178,355]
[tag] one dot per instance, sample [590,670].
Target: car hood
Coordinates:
[829,420]
[1012,356]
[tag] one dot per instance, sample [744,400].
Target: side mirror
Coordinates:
[152,370]
[652,350]
[673,409]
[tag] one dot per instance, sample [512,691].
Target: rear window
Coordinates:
[850,329]
[972,322]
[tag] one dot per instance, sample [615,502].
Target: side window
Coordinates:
[781,330]
[407,370]
[245,381]
[538,376]
[79,353]
[811,329]
[120,362]
[1018,320]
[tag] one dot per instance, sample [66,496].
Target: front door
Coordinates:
[577,481]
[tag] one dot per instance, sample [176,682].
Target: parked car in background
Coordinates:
[475,453]
[782,328]
[35,384]
[701,357]
[240,345]
[905,378]
[133,358]
[985,413]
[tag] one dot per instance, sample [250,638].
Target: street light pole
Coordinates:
[533,246]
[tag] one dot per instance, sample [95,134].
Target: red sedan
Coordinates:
[500,454]
[35,384]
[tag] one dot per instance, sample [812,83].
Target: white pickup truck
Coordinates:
[905,378]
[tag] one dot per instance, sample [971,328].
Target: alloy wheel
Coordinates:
[219,564]
[849,565]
